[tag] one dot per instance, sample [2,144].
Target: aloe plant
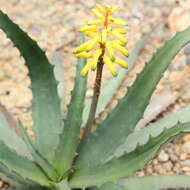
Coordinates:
[106,158]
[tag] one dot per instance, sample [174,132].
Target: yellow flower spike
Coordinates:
[100,8]
[97,21]
[121,62]
[101,33]
[86,68]
[84,54]
[110,66]
[118,36]
[120,48]
[104,36]
[91,34]
[118,21]
[96,56]
[120,30]
[89,28]
[110,51]
[97,13]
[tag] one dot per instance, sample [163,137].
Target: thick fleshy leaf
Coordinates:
[121,121]
[110,87]
[24,167]
[153,129]
[155,182]
[46,166]
[66,150]
[126,165]
[8,135]
[12,178]
[46,112]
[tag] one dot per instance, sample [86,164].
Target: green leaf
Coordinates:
[155,182]
[66,150]
[154,129]
[12,178]
[148,183]
[57,62]
[110,186]
[110,88]
[27,188]
[126,165]
[8,135]
[24,167]
[46,111]
[112,132]
[47,167]
[63,185]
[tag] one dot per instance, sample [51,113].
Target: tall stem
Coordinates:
[96,93]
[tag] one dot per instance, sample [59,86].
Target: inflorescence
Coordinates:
[104,39]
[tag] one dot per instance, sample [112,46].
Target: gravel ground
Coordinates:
[55,25]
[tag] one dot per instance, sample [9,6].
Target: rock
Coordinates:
[163,156]
[187,52]
[174,157]
[185,163]
[186,169]
[167,166]
[186,147]
[179,19]
[183,156]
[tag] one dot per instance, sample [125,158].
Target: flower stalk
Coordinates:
[96,93]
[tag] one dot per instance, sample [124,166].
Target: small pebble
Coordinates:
[185,163]
[187,51]
[186,169]
[183,156]
[167,166]
[186,147]
[163,156]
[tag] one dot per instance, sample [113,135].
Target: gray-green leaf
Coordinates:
[155,182]
[8,135]
[46,111]
[24,167]
[126,165]
[66,150]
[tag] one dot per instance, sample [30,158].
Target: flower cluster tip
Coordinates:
[104,39]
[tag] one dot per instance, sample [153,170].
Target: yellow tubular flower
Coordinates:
[118,36]
[97,54]
[120,30]
[89,28]
[84,54]
[120,48]
[110,66]
[119,42]
[117,21]
[86,68]
[114,9]
[121,62]
[110,51]
[91,34]
[100,8]
[101,32]
[84,46]
[97,21]
[96,13]
[92,43]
